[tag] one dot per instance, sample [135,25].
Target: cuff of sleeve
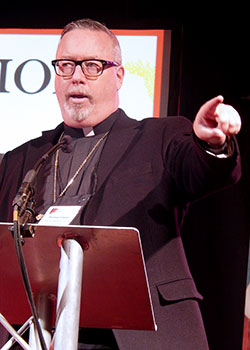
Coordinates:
[224,151]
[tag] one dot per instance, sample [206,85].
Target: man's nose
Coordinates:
[78,75]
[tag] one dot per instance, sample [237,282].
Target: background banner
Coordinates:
[27,96]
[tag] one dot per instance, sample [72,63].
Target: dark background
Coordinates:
[210,56]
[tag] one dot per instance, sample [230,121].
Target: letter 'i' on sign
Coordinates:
[3,70]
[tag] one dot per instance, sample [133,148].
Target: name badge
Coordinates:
[60,215]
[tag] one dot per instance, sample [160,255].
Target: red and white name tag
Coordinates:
[60,215]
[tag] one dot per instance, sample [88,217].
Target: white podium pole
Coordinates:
[69,296]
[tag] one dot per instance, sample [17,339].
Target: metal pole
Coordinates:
[69,296]
[12,331]
[20,331]
[44,306]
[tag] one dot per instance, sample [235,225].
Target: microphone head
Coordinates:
[66,143]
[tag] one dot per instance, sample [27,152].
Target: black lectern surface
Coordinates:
[115,291]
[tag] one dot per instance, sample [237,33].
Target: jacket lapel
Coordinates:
[36,148]
[119,139]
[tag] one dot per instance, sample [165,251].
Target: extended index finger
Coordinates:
[211,105]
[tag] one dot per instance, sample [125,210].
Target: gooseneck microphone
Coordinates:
[26,189]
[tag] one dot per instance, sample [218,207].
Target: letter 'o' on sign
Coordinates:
[20,70]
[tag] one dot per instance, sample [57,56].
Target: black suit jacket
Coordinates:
[148,171]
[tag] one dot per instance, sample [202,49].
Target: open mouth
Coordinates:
[77,97]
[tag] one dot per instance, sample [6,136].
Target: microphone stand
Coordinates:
[18,240]
[23,211]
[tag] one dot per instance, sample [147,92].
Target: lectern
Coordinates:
[94,276]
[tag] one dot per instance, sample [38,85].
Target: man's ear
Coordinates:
[120,75]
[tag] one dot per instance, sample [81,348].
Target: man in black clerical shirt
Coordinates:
[129,173]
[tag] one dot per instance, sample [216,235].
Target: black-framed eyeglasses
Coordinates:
[90,67]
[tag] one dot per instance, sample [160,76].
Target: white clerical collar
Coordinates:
[88,131]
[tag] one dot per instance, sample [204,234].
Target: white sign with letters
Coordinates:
[27,97]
